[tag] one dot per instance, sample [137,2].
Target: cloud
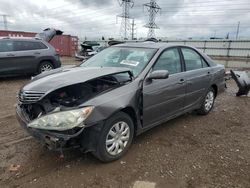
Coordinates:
[95,3]
[96,18]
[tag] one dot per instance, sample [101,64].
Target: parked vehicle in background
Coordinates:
[120,92]
[88,49]
[28,55]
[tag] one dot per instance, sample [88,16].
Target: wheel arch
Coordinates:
[46,60]
[130,111]
[215,87]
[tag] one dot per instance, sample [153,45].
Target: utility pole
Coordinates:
[133,29]
[153,8]
[125,23]
[5,22]
[215,33]
[238,30]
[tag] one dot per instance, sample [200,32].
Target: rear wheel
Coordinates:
[115,138]
[45,66]
[208,102]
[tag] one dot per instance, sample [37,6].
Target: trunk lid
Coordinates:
[48,34]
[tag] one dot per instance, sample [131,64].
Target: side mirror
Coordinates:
[158,74]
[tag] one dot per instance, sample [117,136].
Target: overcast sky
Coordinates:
[96,18]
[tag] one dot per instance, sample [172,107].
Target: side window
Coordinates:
[20,46]
[192,59]
[39,45]
[28,45]
[6,46]
[169,60]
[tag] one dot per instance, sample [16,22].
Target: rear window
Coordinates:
[28,45]
[193,60]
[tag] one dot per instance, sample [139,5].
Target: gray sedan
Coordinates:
[117,94]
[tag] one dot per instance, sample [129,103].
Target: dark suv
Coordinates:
[26,56]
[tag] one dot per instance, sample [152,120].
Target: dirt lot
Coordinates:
[190,151]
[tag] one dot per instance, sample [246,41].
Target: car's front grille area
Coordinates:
[30,96]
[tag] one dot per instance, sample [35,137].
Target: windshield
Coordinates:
[133,58]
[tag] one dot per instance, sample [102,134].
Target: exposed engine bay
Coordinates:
[71,96]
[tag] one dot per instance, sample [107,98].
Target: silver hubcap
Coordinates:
[209,101]
[117,138]
[46,67]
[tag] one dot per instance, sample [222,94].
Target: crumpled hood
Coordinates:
[58,78]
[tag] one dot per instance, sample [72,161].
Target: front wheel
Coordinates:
[115,137]
[207,103]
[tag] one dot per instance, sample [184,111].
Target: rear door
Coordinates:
[164,98]
[26,53]
[197,76]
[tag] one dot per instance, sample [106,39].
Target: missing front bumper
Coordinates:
[52,140]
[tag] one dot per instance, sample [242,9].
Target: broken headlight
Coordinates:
[63,120]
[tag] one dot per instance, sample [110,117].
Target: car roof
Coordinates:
[148,44]
[21,38]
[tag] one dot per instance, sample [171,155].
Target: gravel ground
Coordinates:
[190,151]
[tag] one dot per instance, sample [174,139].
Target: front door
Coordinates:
[7,57]
[164,98]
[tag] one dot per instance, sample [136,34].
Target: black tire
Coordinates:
[43,65]
[101,150]
[204,110]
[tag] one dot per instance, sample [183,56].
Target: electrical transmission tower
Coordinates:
[125,29]
[5,22]
[153,8]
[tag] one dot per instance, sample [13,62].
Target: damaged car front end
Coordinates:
[55,112]
[124,90]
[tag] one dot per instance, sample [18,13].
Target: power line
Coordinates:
[48,12]
[204,2]
[125,23]
[73,21]
[206,5]
[101,18]
[235,11]
[94,12]
[224,10]
[51,12]
[153,8]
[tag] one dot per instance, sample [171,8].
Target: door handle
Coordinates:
[37,53]
[10,55]
[181,81]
